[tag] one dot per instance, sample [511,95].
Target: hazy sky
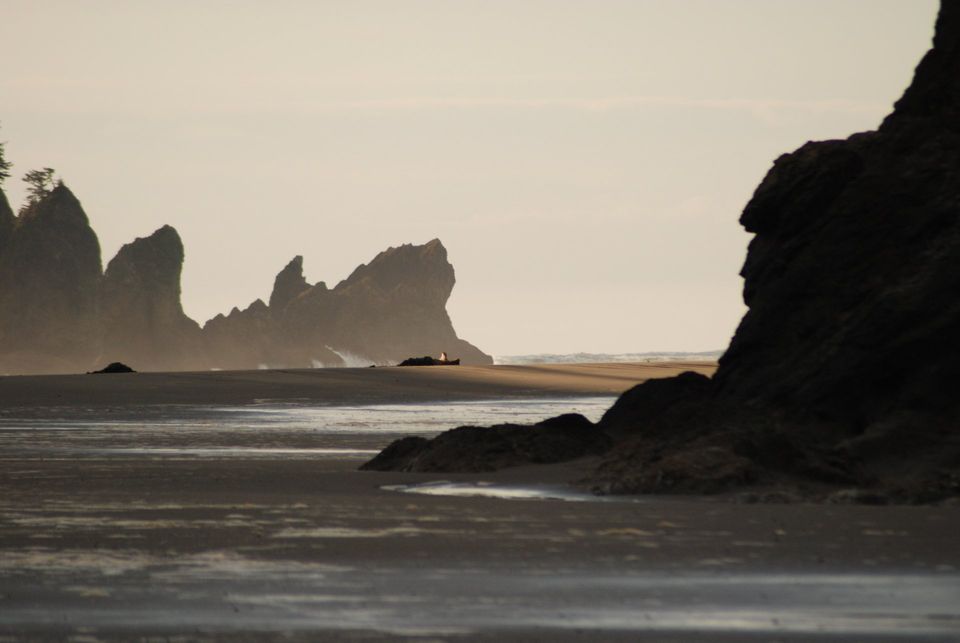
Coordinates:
[584,162]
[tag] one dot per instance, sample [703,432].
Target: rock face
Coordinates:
[289,283]
[49,286]
[477,449]
[845,370]
[143,321]
[384,311]
[59,313]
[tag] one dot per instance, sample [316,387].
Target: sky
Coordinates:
[584,162]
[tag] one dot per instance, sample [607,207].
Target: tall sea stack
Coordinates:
[143,320]
[49,286]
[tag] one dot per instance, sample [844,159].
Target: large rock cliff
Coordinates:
[845,369]
[385,311]
[60,313]
[49,286]
[143,320]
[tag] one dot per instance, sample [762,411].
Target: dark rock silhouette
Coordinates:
[475,449]
[426,360]
[49,286]
[60,313]
[143,320]
[244,339]
[381,313]
[844,371]
[113,367]
[393,307]
[288,284]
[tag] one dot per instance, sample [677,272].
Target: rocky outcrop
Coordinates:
[59,313]
[384,311]
[243,339]
[844,371]
[289,283]
[427,360]
[477,449]
[113,367]
[143,320]
[49,286]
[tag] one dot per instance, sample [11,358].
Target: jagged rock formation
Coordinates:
[386,310]
[379,314]
[49,286]
[244,339]
[289,283]
[60,313]
[143,321]
[845,369]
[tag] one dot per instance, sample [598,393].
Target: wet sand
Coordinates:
[308,549]
[334,385]
[293,545]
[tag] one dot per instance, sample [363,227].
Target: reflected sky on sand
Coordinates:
[263,430]
[211,523]
[226,592]
[504,491]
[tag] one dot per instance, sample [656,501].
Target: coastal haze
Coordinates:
[573,157]
[599,460]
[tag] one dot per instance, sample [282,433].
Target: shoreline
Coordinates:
[335,386]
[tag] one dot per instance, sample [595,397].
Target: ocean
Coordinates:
[606,358]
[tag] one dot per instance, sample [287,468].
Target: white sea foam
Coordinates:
[350,360]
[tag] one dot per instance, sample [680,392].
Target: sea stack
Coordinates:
[49,286]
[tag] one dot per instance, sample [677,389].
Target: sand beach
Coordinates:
[333,385]
[228,506]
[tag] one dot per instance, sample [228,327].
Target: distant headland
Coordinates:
[61,312]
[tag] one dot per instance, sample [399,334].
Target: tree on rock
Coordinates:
[5,165]
[40,184]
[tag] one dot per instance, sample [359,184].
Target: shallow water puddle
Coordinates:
[227,592]
[503,491]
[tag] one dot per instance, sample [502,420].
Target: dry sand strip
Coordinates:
[335,385]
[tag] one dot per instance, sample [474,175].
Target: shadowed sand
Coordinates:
[334,386]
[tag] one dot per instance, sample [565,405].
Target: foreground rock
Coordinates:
[478,449]
[844,373]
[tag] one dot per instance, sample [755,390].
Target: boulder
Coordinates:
[113,367]
[477,449]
